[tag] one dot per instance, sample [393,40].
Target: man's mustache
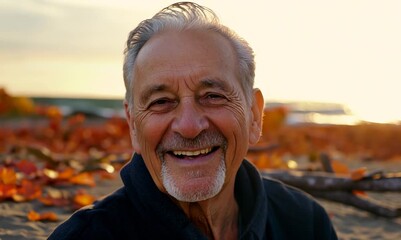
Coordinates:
[204,140]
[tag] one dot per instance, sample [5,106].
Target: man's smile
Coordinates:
[192,153]
[202,147]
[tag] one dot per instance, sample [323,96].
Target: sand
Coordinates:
[13,216]
[349,222]
[352,224]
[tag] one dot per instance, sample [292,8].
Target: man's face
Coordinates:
[190,120]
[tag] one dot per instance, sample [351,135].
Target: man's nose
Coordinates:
[190,119]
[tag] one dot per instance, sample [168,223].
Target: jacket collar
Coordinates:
[252,202]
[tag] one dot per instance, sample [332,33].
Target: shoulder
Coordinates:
[293,208]
[280,193]
[290,199]
[99,221]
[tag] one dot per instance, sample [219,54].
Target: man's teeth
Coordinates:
[192,153]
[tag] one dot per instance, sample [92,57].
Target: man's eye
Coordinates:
[213,99]
[214,96]
[160,102]
[163,104]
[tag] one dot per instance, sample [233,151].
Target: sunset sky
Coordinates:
[343,51]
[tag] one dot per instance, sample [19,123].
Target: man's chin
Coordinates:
[194,191]
[194,188]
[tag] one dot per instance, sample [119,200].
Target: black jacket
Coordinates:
[268,210]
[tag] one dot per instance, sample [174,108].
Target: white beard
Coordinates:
[173,188]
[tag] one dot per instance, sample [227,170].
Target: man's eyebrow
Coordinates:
[149,91]
[213,83]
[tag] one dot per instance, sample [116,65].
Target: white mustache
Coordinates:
[205,139]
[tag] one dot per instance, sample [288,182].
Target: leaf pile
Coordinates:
[45,161]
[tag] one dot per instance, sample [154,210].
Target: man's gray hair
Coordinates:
[185,16]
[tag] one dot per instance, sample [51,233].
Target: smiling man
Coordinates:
[193,112]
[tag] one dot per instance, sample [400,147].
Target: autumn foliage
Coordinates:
[365,141]
[56,158]
[10,105]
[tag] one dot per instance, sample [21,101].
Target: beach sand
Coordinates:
[354,224]
[349,222]
[14,223]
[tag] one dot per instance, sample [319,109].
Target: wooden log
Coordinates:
[322,181]
[351,199]
[340,189]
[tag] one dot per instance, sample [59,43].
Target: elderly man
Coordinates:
[193,112]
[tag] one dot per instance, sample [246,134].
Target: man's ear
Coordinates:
[132,128]
[257,107]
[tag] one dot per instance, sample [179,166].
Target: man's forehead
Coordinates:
[171,44]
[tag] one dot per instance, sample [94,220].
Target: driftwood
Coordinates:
[342,188]
[354,200]
[321,181]
[327,185]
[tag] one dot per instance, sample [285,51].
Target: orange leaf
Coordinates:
[33,216]
[339,168]
[27,191]
[46,216]
[66,174]
[84,178]
[358,173]
[82,198]
[107,175]
[7,191]
[8,176]
[49,216]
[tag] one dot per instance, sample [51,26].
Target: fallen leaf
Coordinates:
[45,216]
[7,191]
[8,176]
[82,198]
[33,216]
[27,191]
[84,178]
[66,174]
[358,173]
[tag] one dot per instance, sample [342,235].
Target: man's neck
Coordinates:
[217,217]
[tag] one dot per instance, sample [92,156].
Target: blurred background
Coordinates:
[343,52]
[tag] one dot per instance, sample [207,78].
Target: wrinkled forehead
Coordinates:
[186,45]
[192,55]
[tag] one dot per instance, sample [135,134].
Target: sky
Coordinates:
[342,51]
